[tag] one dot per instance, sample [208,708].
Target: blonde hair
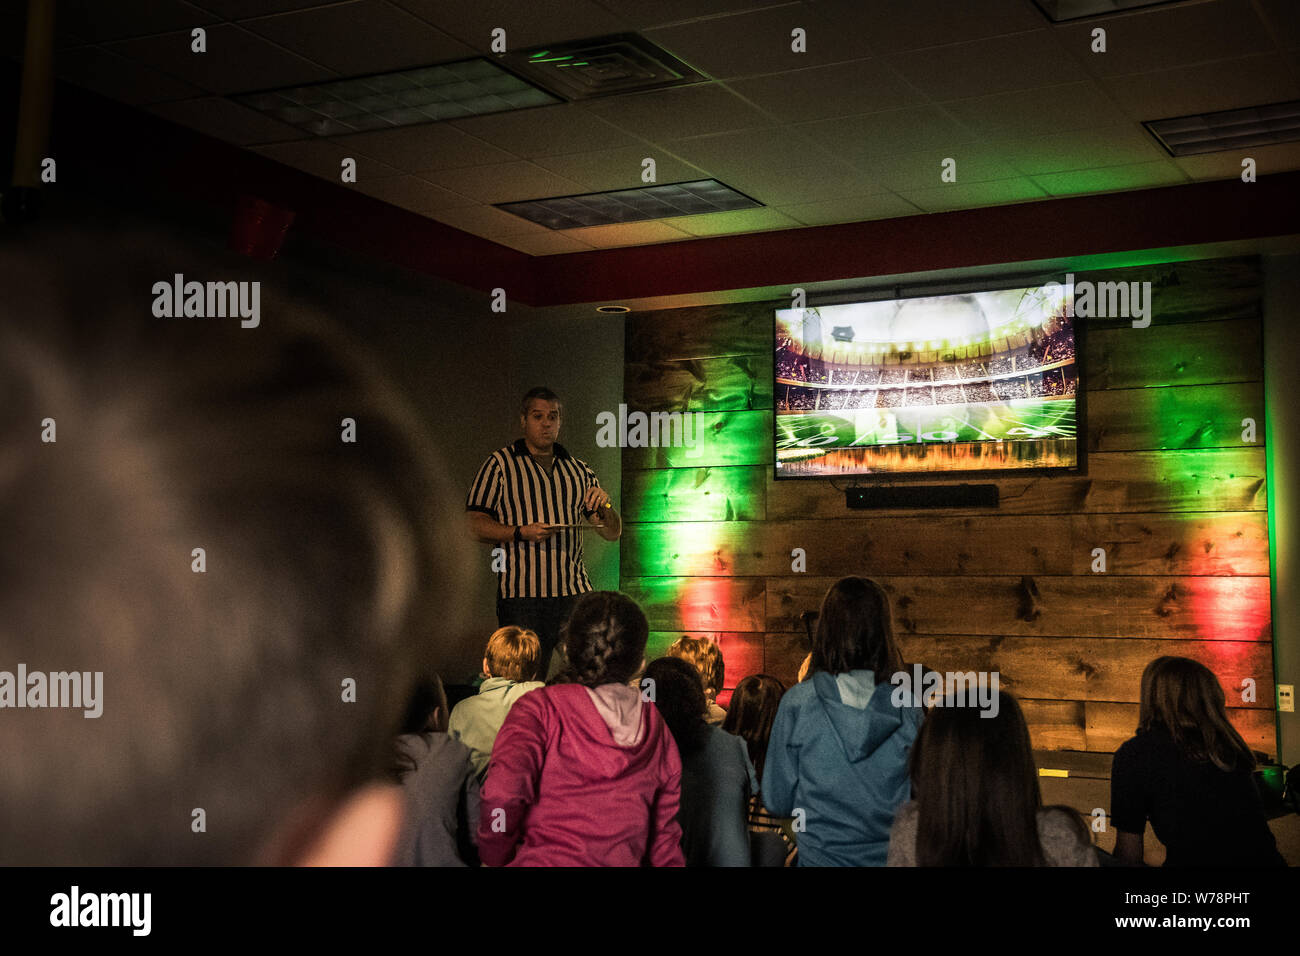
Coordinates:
[512,652]
[706,657]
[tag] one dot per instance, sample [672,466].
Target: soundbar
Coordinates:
[922,496]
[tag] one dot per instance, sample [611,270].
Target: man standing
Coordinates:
[531,498]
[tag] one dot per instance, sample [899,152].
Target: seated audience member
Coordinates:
[256,593]
[509,664]
[838,749]
[1189,772]
[706,657]
[977,801]
[717,778]
[584,771]
[437,775]
[753,708]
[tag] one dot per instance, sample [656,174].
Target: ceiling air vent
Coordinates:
[606,66]
[631,205]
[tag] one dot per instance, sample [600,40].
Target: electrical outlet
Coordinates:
[1286,698]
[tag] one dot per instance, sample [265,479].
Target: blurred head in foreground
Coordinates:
[229,733]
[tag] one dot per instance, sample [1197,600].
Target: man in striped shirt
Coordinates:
[531,498]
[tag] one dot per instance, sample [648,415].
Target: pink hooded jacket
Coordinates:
[582,777]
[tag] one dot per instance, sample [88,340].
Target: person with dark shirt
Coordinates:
[1190,773]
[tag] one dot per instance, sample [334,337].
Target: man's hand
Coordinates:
[594,501]
[537,531]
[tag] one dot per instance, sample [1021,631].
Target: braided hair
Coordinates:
[604,640]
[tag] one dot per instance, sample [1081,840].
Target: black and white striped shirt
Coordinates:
[514,489]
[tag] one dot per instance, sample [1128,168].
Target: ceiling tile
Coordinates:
[238,9]
[972,195]
[842,89]
[529,24]
[505,182]
[851,209]
[1284,157]
[96,20]
[1112,179]
[235,61]
[1083,149]
[641,14]
[120,79]
[421,148]
[222,119]
[1078,105]
[801,185]
[735,221]
[982,67]
[627,234]
[546,131]
[413,194]
[1160,38]
[857,138]
[544,244]
[607,169]
[1226,85]
[325,159]
[1283,20]
[486,221]
[974,163]
[678,113]
[893,27]
[751,44]
[367,36]
[730,154]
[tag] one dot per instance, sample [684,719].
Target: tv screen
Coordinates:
[978,382]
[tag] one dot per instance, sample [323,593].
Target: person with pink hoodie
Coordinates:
[584,771]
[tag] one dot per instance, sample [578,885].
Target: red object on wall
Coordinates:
[259,228]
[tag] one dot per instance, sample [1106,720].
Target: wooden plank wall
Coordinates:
[1172,492]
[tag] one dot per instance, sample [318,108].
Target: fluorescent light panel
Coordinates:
[631,205]
[405,98]
[1229,129]
[1058,11]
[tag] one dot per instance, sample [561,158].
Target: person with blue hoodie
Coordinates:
[837,760]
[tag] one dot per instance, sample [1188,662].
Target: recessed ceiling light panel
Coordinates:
[1058,11]
[1229,129]
[631,205]
[405,98]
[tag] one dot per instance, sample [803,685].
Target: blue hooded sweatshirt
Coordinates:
[838,752]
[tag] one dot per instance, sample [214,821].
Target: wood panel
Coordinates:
[1109,725]
[1204,608]
[1208,290]
[744,328]
[736,493]
[1178,417]
[1208,480]
[722,438]
[700,604]
[731,383]
[1197,353]
[1100,669]
[1168,543]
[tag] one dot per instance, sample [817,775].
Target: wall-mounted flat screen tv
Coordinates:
[981,382]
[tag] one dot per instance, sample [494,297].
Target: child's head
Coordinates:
[855,631]
[976,788]
[512,653]
[677,694]
[753,708]
[604,640]
[706,657]
[1185,698]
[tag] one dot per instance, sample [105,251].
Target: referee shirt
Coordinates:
[514,489]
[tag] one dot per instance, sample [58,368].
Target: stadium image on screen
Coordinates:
[984,381]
